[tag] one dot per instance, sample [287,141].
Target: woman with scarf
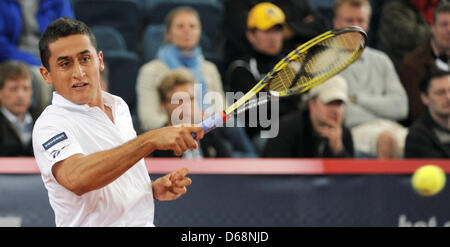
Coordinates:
[183,31]
[182,49]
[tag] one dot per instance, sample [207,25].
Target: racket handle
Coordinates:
[212,122]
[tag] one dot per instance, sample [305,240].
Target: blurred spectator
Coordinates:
[176,93]
[264,32]
[16,117]
[317,130]
[183,32]
[426,8]
[21,24]
[429,136]
[432,54]
[182,50]
[402,27]
[302,24]
[377,98]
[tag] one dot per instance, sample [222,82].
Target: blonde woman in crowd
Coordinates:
[183,32]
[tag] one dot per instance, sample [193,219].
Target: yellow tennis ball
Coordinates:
[428,180]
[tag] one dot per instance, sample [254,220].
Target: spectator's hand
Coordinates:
[171,186]
[331,130]
[308,19]
[177,138]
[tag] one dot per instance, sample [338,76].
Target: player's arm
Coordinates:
[83,173]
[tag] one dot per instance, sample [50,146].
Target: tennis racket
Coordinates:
[307,66]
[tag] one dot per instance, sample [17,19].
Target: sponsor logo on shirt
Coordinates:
[54,140]
[55,153]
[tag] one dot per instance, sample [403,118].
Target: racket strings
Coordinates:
[317,63]
[282,80]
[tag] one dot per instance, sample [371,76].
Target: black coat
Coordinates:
[10,144]
[422,142]
[240,77]
[297,139]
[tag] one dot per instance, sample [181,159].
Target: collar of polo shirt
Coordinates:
[59,100]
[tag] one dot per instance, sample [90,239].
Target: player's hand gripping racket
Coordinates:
[305,67]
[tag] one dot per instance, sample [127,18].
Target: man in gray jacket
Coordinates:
[377,97]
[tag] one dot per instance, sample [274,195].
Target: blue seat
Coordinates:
[123,15]
[328,4]
[210,12]
[109,39]
[154,38]
[123,68]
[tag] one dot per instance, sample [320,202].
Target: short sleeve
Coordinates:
[52,144]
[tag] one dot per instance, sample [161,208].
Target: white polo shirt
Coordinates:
[65,129]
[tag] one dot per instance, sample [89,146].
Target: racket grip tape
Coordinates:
[212,122]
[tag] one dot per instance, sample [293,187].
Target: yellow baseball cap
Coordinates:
[264,16]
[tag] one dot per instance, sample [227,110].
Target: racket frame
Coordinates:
[221,117]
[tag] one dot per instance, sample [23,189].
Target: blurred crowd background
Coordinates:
[394,102]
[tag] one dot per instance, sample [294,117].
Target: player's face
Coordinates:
[438,97]
[16,95]
[184,31]
[348,15]
[441,31]
[75,69]
[268,42]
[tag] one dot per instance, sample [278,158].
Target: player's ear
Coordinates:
[100,60]
[46,74]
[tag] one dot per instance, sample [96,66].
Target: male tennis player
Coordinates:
[85,145]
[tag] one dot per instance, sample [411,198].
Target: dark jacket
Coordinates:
[297,139]
[305,22]
[10,143]
[414,66]
[422,142]
[235,24]
[243,74]
[401,29]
